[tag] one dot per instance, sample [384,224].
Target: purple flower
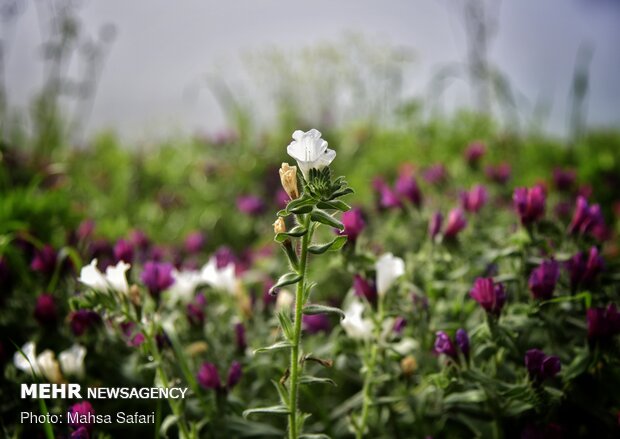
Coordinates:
[474,152]
[489,295]
[123,251]
[584,269]
[85,418]
[541,366]
[45,310]
[462,341]
[387,197]
[136,340]
[44,260]
[543,279]
[138,239]
[157,276]
[443,345]
[603,322]
[456,223]
[240,336]
[354,223]
[529,203]
[208,377]
[434,225]
[407,188]
[475,199]
[234,374]
[399,325]
[250,205]
[364,288]
[313,324]
[194,242]
[224,256]
[564,179]
[499,174]
[585,218]
[81,320]
[281,198]
[436,174]
[80,433]
[195,310]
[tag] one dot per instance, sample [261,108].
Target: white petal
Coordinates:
[389,268]
[117,278]
[49,367]
[219,278]
[92,277]
[353,324]
[26,359]
[72,360]
[184,287]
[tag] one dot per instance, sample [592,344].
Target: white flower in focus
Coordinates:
[116,277]
[219,278]
[284,300]
[310,151]
[92,277]
[353,323]
[49,367]
[389,268]
[72,360]
[26,360]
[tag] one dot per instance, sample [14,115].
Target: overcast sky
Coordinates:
[163,47]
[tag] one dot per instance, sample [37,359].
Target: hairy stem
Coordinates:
[299,296]
[370,371]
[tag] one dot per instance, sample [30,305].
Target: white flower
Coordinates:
[92,277]
[389,268]
[49,367]
[310,151]
[184,286]
[219,278]
[72,360]
[26,360]
[284,300]
[353,323]
[116,277]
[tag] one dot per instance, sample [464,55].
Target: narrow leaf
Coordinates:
[323,217]
[286,279]
[308,379]
[274,409]
[282,344]
[286,324]
[335,244]
[322,309]
[334,204]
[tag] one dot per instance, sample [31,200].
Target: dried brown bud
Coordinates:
[135,295]
[408,365]
[196,348]
[279,226]
[288,177]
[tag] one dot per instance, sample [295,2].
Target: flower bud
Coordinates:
[288,178]
[543,279]
[408,365]
[234,374]
[279,226]
[83,409]
[45,310]
[489,295]
[49,367]
[135,295]
[208,376]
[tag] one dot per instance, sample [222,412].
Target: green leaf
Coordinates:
[300,205]
[168,422]
[308,379]
[470,396]
[323,217]
[334,204]
[295,232]
[284,396]
[342,193]
[282,344]
[335,244]
[273,410]
[322,309]
[286,279]
[286,324]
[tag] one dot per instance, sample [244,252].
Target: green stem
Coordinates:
[176,409]
[294,368]
[370,371]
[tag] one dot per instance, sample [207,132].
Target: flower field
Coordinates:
[439,279]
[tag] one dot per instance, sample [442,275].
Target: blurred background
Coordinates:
[152,70]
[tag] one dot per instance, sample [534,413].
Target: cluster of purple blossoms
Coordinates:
[209,378]
[157,276]
[475,199]
[584,268]
[530,203]
[82,429]
[474,153]
[585,218]
[445,345]
[499,174]
[313,324]
[406,190]
[436,174]
[251,205]
[354,224]
[603,323]
[490,295]
[456,223]
[365,288]
[541,366]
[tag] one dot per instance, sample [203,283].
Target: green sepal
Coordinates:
[323,217]
[322,309]
[336,244]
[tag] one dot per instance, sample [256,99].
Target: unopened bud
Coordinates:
[135,295]
[279,226]
[408,365]
[288,177]
[196,348]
